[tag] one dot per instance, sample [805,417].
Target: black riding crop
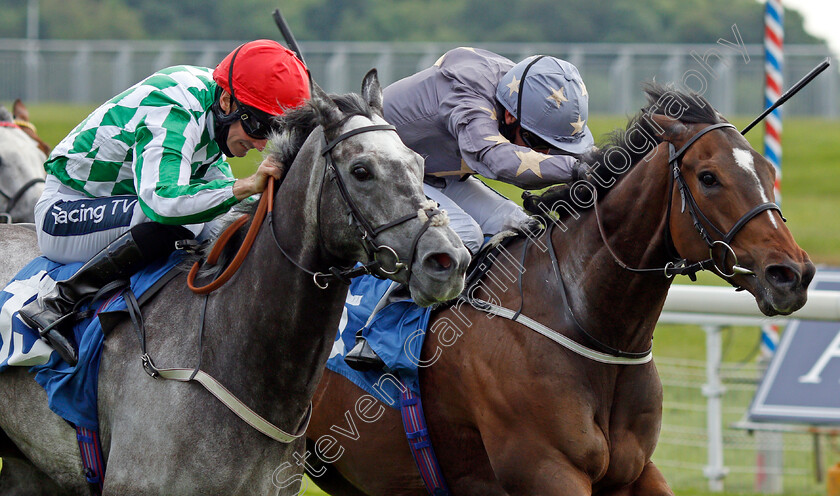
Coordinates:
[787,94]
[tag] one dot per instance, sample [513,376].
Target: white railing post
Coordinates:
[713,390]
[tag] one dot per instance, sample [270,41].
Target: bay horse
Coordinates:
[512,413]
[353,192]
[21,170]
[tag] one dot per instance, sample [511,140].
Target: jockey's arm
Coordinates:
[167,187]
[490,154]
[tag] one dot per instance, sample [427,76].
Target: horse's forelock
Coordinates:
[691,107]
[350,105]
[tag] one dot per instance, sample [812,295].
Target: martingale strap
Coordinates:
[414,423]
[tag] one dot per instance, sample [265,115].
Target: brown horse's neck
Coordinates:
[617,306]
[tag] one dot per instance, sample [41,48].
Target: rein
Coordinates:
[603,354]
[367,232]
[266,204]
[680,265]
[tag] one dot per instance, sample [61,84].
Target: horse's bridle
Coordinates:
[680,265]
[321,279]
[368,233]
[14,198]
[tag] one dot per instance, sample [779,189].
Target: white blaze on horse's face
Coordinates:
[744,159]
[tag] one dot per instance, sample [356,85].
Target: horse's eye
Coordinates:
[708,179]
[361,173]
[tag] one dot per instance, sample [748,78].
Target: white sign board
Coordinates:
[802,383]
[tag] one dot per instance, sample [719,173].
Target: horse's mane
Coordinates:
[294,127]
[291,131]
[619,144]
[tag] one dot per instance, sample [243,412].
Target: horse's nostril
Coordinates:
[781,275]
[444,260]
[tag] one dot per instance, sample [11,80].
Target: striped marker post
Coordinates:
[770,445]
[774,35]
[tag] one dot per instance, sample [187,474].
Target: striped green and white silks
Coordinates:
[153,140]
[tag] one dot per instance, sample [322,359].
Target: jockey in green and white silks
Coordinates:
[153,148]
[147,169]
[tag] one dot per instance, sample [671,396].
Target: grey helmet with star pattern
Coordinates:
[553,99]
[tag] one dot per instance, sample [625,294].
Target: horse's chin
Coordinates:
[425,296]
[772,303]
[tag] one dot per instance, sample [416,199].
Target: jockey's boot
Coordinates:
[362,357]
[52,314]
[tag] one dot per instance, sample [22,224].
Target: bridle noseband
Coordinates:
[680,265]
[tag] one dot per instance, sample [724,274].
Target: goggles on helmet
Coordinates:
[255,122]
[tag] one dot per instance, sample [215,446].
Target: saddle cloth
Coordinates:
[395,332]
[71,391]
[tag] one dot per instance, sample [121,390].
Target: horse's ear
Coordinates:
[328,111]
[19,110]
[666,128]
[372,91]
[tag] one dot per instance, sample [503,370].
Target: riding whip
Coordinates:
[287,34]
[789,93]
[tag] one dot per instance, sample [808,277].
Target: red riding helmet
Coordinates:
[265,75]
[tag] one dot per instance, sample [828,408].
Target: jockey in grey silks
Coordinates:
[476,112]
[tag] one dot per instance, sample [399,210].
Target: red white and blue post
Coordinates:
[770,445]
[774,35]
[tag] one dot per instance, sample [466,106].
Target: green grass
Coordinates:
[811,192]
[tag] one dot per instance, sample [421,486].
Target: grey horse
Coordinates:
[21,172]
[268,331]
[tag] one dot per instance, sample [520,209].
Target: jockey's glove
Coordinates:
[581,171]
[532,225]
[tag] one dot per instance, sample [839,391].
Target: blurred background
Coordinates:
[64,58]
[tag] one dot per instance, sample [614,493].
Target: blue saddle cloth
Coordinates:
[71,391]
[395,333]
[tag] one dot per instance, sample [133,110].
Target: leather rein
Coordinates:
[367,232]
[266,205]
